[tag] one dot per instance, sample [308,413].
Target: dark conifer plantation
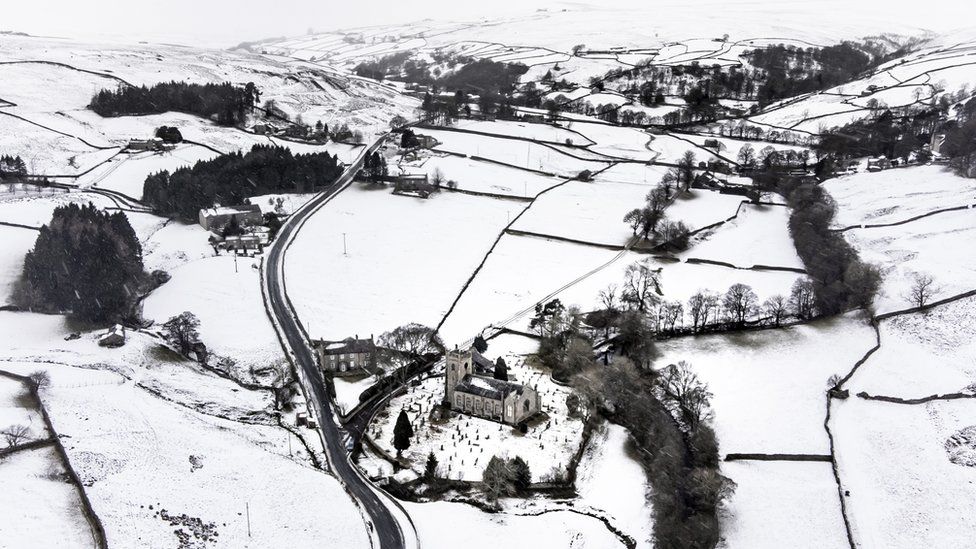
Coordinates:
[231,178]
[86,261]
[226,103]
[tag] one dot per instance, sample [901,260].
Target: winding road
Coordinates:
[382,522]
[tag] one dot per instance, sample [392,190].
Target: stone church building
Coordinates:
[468,390]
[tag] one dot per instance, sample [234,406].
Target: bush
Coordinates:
[169,134]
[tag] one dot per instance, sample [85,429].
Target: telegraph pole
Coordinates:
[344,244]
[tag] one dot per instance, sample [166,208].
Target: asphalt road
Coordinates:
[385,525]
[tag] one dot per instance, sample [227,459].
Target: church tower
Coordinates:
[458,364]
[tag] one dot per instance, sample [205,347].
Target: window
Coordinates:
[525,406]
[457,400]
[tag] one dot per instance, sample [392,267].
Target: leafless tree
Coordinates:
[740,301]
[181,330]
[634,219]
[608,298]
[40,379]
[686,395]
[776,307]
[15,434]
[803,299]
[701,305]
[409,342]
[642,286]
[671,312]
[437,177]
[922,290]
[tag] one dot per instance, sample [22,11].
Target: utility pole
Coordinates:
[235,261]
[344,244]
[247,509]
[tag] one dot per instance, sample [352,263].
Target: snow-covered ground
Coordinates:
[782,504]
[770,386]
[484,177]
[39,508]
[700,208]
[406,258]
[923,354]
[897,195]
[940,245]
[145,430]
[894,461]
[758,236]
[127,173]
[16,243]
[539,132]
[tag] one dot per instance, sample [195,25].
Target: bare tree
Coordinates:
[181,330]
[701,305]
[608,298]
[634,219]
[687,396]
[776,307]
[437,177]
[803,299]
[922,290]
[15,434]
[40,379]
[671,312]
[740,302]
[409,342]
[642,285]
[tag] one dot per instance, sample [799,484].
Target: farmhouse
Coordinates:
[347,355]
[138,145]
[413,184]
[215,218]
[468,391]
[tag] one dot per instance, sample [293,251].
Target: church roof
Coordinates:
[487,387]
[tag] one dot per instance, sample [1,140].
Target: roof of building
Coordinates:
[231,210]
[348,345]
[488,387]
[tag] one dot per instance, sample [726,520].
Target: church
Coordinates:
[470,389]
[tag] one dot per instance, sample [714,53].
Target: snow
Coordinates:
[167,245]
[424,249]
[770,386]
[127,173]
[609,479]
[540,132]
[617,141]
[46,152]
[922,354]
[904,491]
[782,504]
[348,391]
[553,530]
[485,177]
[896,195]
[700,208]
[289,202]
[39,508]
[586,211]
[16,408]
[134,449]
[758,236]
[36,209]
[940,245]
[227,300]
[513,152]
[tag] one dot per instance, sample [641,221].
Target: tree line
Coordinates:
[231,178]
[224,103]
[85,261]
[12,168]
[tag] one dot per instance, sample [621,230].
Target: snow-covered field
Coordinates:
[39,508]
[896,195]
[894,461]
[406,258]
[522,154]
[16,243]
[485,177]
[539,132]
[144,430]
[770,386]
[923,354]
[700,208]
[940,245]
[127,173]
[782,504]
[758,236]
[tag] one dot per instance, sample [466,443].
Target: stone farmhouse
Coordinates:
[213,219]
[468,391]
[347,356]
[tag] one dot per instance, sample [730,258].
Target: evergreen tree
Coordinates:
[430,469]
[522,476]
[501,369]
[480,344]
[402,433]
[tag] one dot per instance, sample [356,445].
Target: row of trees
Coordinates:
[668,414]
[229,179]
[224,103]
[85,261]
[650,220]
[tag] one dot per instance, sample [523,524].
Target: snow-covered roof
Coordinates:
[487,387]
[230,210]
